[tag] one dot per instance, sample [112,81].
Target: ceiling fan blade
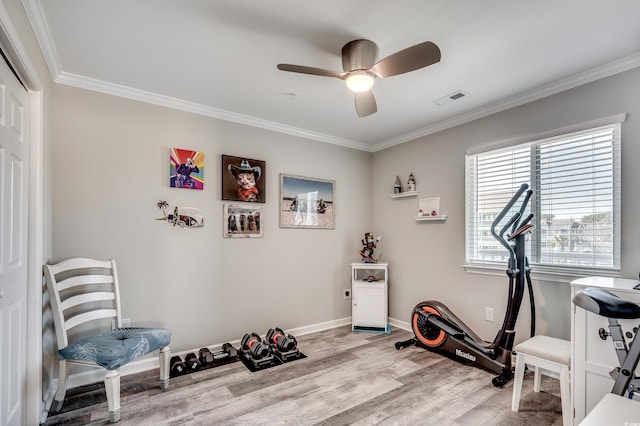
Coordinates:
[311,70]
[365,103]
[406,60]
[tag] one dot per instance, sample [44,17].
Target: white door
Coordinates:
[14,187]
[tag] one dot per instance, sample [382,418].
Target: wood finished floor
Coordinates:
[347,379]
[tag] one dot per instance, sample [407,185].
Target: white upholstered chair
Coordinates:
[86,292]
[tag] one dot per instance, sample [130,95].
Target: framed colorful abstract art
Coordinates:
[186,169]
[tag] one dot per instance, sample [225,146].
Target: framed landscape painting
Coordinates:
[307,202]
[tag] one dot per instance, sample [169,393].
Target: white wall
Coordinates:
[426,259]
[111,167]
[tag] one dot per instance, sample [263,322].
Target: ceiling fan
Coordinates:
[361,66]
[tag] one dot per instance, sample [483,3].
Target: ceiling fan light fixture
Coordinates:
[359,81]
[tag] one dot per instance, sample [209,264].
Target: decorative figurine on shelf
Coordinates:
[411,184]
[368,244]
[397,187]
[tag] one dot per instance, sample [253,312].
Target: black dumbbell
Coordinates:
[192,362]
[205,356]
[177,366]
[252,344]
[229,349]
[227,352]
[284,342]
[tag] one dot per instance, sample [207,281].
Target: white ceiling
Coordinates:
[218,57]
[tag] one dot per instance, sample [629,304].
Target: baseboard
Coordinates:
[403,325]
[151,362]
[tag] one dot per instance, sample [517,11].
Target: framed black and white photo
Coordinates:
[307,202]
[242,221]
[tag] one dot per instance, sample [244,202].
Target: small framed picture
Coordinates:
[242,221]
[243,179]
[307,202]
[429,206]
[186,169]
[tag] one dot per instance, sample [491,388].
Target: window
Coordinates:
[575,177]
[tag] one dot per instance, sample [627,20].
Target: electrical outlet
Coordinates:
[488,314]
[346,294]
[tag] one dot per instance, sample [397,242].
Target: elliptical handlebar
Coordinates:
[525,221]
[514,219]
[516,225]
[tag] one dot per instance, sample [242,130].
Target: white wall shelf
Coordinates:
[439,218]
[405,194]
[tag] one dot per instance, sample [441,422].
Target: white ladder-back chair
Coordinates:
[86,292]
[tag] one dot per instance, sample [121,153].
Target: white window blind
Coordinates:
[576,201]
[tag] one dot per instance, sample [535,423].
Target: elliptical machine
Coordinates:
[438,329]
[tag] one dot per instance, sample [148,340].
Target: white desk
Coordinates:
[614,410]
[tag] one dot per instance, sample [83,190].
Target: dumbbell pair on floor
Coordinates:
[204,359]
[276,341]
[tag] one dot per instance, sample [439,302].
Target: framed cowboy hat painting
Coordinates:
[243,179]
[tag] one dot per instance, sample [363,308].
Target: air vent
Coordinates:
[459,94]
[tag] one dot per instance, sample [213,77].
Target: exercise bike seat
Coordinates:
[606,304]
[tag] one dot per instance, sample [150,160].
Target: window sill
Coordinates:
[541,273]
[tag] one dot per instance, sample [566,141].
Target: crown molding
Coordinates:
[36,18]
[43,36]
[204,110]
[624,64]
[621,65]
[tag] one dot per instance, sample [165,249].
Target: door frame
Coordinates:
[18,56]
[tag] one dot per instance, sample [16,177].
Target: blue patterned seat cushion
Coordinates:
[117,347]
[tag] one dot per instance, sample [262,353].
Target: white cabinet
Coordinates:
[369,293]
[591,357]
